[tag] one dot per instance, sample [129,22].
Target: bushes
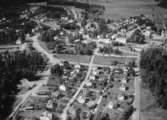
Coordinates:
[8,34]
[127,113]
[117,44]
[154,73]
[57,70]
[87,49]
[108,49]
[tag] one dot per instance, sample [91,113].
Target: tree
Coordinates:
[105,117]
[14,67]
[57,70]
[67,65]
[127,113]
[153,65]
[137,37]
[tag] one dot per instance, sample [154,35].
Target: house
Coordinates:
[72,112]
[147,33]
[46,116]
[94,72]
[123,88]
[88,83]
[81,99]
[13,48]
[62,88]
[121,97]
[124,80]
[110,105]
[94,68]
[104,40]
[49,104]
[122,40]
[25,84]
[92,77]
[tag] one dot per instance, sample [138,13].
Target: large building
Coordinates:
[13,48]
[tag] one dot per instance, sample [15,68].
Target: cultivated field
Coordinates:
[116,9]
[74,58]
[108,60]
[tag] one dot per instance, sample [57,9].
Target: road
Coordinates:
[39,84]
[37,46]
[136,104]
[64,114]
[27,95]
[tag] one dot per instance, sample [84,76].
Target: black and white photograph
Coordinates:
[83,59]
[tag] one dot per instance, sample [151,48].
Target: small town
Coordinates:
[70,60]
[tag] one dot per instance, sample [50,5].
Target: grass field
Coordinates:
[74,58]
[116,9]
[149,109]
[107,60]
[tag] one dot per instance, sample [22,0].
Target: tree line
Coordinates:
[154,73]
[14,67]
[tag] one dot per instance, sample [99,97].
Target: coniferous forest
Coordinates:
[14,67]
[153,65]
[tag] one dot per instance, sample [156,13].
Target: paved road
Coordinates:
[53,61]
[64,114]
[37,46]
[136,104]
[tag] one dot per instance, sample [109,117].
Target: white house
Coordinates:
[92,77]
[123,88]
[103,40]
[62,87]
[81,99]
[121,40]
[124,80]
[49,104]
[110,105]
[46,116]
[121,97]
[88,83]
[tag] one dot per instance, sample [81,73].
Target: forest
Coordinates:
[14,67]
[153,65]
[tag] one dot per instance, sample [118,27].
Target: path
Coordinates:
[39,84]
[27,95]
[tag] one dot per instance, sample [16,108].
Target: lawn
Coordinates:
[74,58]
[107,60]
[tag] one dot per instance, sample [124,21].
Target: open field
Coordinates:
[116,9]
[74,58]
[149,108]
[107,60]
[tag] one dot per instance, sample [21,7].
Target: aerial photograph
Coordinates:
[83,59]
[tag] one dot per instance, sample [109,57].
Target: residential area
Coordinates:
[81,66]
